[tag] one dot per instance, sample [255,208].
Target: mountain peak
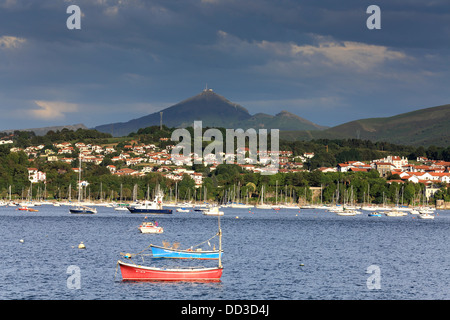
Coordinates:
[208,104]
[285,113]
[213,110]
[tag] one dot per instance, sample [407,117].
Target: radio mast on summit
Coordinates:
[206,88]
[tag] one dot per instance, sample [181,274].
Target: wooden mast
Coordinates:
[220,244]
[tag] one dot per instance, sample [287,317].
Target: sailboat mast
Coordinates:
[220,244]
[79,179]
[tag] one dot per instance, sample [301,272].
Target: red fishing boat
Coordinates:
[134,272]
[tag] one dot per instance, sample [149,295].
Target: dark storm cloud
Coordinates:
[316,59]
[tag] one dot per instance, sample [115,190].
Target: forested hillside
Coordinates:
[225,182]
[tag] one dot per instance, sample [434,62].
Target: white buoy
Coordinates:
[81,245]
[21,241]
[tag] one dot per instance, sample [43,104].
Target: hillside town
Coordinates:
[137,159]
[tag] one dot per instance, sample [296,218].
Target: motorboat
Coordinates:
[213,211]
[150,227]
[152,207]
[395,213]
[426,216]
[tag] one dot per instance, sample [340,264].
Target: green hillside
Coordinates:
[422,127]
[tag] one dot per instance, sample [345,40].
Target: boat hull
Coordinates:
[81,211]
[374,214]
[131,272]
[220,213]
[426,216]
[151,229]
[346,213]
[150,211]
[161,252]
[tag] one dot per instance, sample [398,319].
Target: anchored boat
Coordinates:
[150,227]
[164,252]
[80,208]
[135,272]
[374,214]
[151,207]
[194,252]
[213,211]
[426,216]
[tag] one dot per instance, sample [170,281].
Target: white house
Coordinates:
[34,175]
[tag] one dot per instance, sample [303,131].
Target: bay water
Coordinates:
[268,255]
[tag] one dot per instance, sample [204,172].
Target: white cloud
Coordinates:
[325,52]
[9,42]
[355,55]
[52,110]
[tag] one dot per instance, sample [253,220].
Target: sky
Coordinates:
[316,59]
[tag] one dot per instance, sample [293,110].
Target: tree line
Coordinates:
[226,182]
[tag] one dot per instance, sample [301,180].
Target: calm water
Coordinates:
[269,255]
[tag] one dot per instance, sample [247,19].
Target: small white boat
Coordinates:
[425,211]
[184,205]
[27,204]
[426,216]
[320,207]
[240,206]
[182,210]
[375,208]
[395,213]
[263,206]
[213,211]
[121,207]
[150,227]
[335,209]
[347,213]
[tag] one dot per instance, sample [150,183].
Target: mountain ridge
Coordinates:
[43,130]
[422,127]
[213,110]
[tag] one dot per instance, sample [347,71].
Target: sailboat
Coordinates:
[263,205]
[134,272]
[121,206]
[29,201]
[80,209]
